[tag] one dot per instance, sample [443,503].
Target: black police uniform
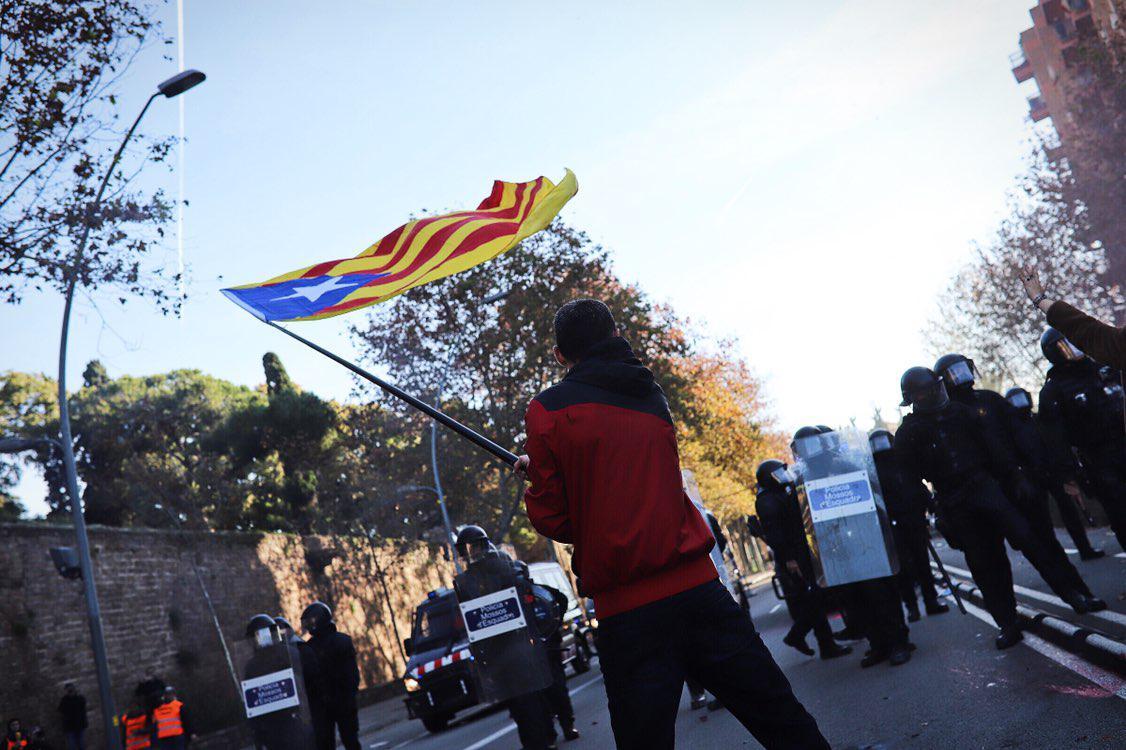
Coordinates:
[780,517]
[557,697]
[908,501]
[336,657]
[1082,408]
[964,459]
[1051,465]
[1026,496]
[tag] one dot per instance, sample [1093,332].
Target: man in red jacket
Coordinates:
[605,477]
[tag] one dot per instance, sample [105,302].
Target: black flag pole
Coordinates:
[946,577]
[474,437]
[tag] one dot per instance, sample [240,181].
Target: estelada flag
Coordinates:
[417,252]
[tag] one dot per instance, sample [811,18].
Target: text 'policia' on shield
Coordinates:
[417,252]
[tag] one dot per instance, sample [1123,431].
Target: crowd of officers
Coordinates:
[992,465]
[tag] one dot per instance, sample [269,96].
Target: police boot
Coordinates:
[1093,603]
[913,613]
[569,731]
[1010,636]
[875,656]
[832,650]
[1079,602]
[936,607]
[900,654]
[793,640]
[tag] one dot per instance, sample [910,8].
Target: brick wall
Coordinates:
[156,621]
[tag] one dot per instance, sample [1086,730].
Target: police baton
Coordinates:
[946,577]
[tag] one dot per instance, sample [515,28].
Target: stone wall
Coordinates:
[156,620]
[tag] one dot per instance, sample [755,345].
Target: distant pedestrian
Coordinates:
[605,476]
[336,657]
[171,722]
[15,738]
[72,717]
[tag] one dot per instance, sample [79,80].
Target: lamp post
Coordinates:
[437,488]
[441,504]
[174,86]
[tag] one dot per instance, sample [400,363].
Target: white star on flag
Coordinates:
[314,292]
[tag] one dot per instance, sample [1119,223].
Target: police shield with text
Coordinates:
[1081,406]
[506,638]
[273,689]
[950,446]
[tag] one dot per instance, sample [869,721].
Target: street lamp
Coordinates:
[174,86]
[437,488]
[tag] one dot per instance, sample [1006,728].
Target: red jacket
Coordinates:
[605,477]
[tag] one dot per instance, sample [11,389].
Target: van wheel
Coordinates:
[436,722]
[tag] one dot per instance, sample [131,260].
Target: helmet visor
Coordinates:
[478,549]
[929,397]
[831,440]
[782,475]
[808,447]
[1020,400]
[880,443]
[1070,351]
[959,373]
[264,637]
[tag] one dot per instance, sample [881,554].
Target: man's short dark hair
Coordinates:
[580,324]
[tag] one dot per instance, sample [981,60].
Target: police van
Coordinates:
[441,679]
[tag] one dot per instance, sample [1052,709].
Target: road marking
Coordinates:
[775,608]
[377,744]
[1108,615]
[1107,681]
[1120,554]
[512,727]
[404,743]
[1071,551]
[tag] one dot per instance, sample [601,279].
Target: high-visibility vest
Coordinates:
[167,717]
[16,743]
[137,733]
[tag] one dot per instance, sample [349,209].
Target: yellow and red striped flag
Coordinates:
[418,252]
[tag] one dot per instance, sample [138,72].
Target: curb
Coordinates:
[1075,637]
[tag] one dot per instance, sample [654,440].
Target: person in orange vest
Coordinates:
[15,739]
[170,722]
[136,728]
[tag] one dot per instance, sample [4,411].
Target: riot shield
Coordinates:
[507,648]
[692,489]
[846,521]
[274,697]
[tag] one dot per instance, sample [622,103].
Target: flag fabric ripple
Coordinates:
[418,252]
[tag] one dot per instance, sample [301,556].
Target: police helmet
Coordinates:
[1057,348]
[473,543]
[316,617]
[880,440]
[923,390]
[1019,398]
[282,622]
[261,628]
[956,370]
[773,473]
[807,442]
[830,438]
[522,569]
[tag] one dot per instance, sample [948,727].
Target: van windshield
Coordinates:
[435,624]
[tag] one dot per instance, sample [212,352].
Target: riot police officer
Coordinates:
[949,445]
[874,602]
[776,506]
[1079,406]
[515,665]
[289,728]
[340,678]
[957,373]
[908,501]
[1053,467]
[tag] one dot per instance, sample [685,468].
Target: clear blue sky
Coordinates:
[803,176]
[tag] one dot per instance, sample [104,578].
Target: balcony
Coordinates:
[1077,8]
[1037,109]
[1022,70]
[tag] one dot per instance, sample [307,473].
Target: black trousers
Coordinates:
[533,721]
[1107,473]
[875,604]
[914,564]
[983,518]
[1069,513]
[808,612]
[343,717]
[646,654]
[556,695]
[1036,511]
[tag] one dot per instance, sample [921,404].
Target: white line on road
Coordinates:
[512,727]
[1079,666]
[1120,554]
[775,608]
[1107,614]
[416,738]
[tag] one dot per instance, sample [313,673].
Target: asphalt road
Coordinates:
[957,692]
